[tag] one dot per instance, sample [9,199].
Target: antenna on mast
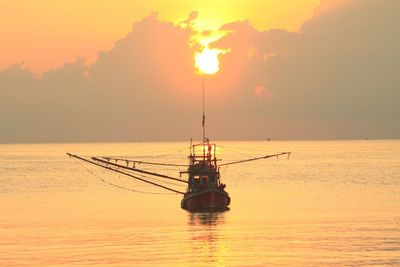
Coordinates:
[204,116]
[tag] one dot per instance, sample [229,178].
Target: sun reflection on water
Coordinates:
[208,241]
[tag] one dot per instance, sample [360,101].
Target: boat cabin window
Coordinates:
[196,180]
[204,180]
[200,180]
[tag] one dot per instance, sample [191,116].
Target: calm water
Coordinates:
[333,203]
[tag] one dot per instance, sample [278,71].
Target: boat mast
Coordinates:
[204,124]
[204,115]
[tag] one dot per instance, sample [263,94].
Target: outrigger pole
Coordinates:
[138,170]
[145,162]
[124,173]
[251,159]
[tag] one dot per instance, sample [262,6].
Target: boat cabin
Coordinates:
[203,170]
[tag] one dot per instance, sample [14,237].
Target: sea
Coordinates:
[331,203]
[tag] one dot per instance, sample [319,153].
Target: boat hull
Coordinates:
[207,200]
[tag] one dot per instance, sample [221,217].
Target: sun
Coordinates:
[207,61]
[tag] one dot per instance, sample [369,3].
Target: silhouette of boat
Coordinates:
[205,192]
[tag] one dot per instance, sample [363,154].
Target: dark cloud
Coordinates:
[125,95]
[337,78]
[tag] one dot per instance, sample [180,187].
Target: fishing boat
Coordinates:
[204,189]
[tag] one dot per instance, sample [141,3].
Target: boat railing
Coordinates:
[203,153]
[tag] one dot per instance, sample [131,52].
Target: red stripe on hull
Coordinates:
[208,200]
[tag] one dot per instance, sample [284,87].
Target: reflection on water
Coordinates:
[210,219]
[334,203]
[208,241]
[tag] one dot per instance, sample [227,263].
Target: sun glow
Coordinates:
[207,61]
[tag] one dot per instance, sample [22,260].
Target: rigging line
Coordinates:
[144,158]
[155,179]
[158,180]
[156,156]
[242,148]
[223,170]
[127,174]
[161,181]
[252,159]
[172,153]
[235,152]
[145,162]
[138,170]
[122,187]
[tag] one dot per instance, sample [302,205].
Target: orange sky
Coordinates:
[45,34]
[323,72]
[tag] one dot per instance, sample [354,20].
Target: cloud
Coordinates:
[336,78]
[126,95]
[190,19]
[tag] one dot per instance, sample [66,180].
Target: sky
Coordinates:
[59,31]
[126,71]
